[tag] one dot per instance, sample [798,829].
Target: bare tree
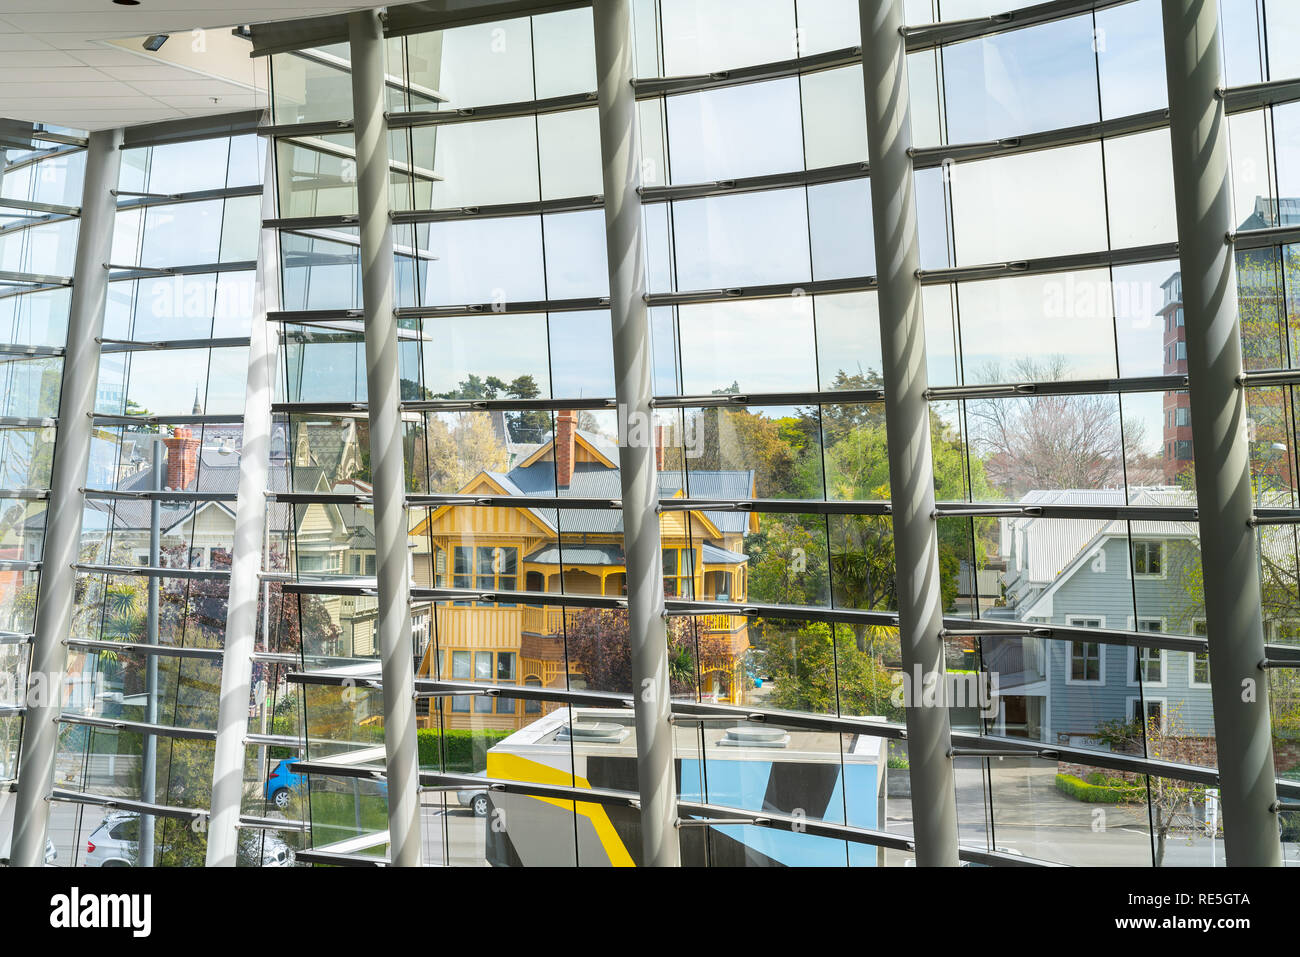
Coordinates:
[1050,441]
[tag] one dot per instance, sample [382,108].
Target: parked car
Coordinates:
[116,843]
[476,799]
[281,783]
[51,854]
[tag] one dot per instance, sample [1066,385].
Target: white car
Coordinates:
[116,843]
[475,798]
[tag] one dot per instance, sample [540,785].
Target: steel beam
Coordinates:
[366,37]
[907,423]
[620,150]
[246,550]
[55,594]
[1198,134]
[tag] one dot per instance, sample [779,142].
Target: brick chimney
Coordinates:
[182,458]
[566,423]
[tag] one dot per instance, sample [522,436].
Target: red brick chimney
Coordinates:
[565,425]
[659,448]
[182,458]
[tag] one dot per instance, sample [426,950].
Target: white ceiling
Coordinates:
[79,63]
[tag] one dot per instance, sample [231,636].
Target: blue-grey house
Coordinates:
[1095,573]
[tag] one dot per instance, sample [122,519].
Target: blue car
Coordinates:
[282,782]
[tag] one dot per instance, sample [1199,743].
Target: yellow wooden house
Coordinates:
[575,551]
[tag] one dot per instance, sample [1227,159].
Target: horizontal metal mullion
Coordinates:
[147,571]
[334,221]
[26,494]
[718,814]
[274,740]
[1132,513]
[652,87]
[557,104]
[142,727]
[1282,654]
[27,422]
[32,221]
[531,598]
[750,184]
[440,781]
[686,710]
[158,495]
[191,269]
[125,804]
[31,205]
[12,710]
[318,408]
[503,308]
[507,405]
[33,278]
[991,628]
[103,418]
[315,315]
[1264,238]
[167,345]
[977,855]
[15,638]
[14,349]
[1269,377]
[742,399]
[513,501]
[783,506]
[338,859]
[314,128]
[16,565]
[142,648]
[320,498]
[195,196]
[1051,264]
[40,155]
[930,157]
[1024,390]
[682,607]
[594,699]
[12,292]
[252,823]
[1253,96]
[1276,516]
[1111,760]
[770,291]
[498,211]
[330,769]
[935,34]
[325,587]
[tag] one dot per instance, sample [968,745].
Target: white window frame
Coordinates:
[1083,621]
[1133,654]
[1147,701]
[1191,661]
[1164,559]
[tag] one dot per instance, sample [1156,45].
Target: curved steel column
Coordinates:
[1198,134]
[907,425]
[387,471]
[246,550]
[55,594]
[620,150]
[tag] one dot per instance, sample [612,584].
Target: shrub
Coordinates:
[1110,791]
[465,748]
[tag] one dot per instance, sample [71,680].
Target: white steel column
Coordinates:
[366,37]
[620,150]
[55,594]
[907,425]
[1198,134]
[246,551]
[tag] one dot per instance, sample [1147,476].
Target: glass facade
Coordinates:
[1075,655]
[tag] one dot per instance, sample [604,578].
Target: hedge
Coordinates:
[1090,793]
[466,748]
